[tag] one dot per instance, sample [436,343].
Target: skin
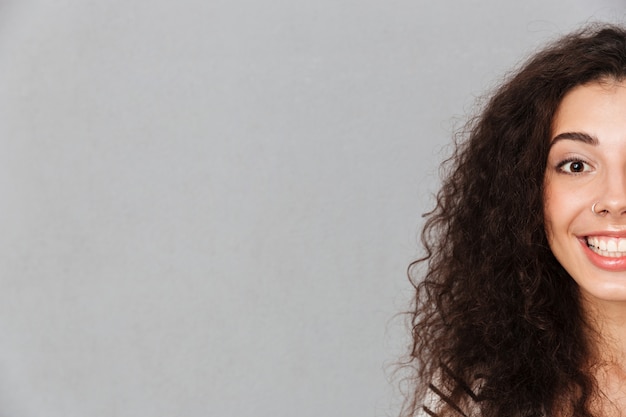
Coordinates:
[587,165]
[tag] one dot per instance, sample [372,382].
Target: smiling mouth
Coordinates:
[611,247]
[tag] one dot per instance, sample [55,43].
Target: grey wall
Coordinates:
[207,207]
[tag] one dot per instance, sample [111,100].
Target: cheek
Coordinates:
[557,201]
[547,211]
[552,239]
[548,229]
[553,215]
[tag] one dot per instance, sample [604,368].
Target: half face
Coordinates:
[587,168]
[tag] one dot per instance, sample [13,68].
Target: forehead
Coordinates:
[592,108]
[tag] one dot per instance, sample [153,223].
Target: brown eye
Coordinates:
[577,167]
[574,167]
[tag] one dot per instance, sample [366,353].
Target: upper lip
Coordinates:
[606,233]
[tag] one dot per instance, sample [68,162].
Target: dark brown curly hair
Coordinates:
[497,324]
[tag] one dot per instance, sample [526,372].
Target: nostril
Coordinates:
[613,208]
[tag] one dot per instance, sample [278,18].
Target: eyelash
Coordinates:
[562,164]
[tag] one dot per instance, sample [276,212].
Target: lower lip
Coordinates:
[604,262]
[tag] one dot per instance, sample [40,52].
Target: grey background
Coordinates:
[207,207]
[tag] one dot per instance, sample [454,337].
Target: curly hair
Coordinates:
[497,323]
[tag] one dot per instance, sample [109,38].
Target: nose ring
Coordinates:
[593,208]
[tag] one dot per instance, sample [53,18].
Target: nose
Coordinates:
[612,200]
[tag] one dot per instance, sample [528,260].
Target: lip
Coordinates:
[604,262]
[619,233]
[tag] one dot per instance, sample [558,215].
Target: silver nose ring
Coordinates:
[593,208]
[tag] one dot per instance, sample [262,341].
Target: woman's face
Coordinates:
[585,189]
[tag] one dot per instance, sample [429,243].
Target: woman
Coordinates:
[521,298]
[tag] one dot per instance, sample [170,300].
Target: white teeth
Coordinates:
[610,247]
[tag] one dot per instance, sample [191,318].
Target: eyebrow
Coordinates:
[579,136]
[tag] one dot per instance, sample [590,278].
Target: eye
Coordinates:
[575,166]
